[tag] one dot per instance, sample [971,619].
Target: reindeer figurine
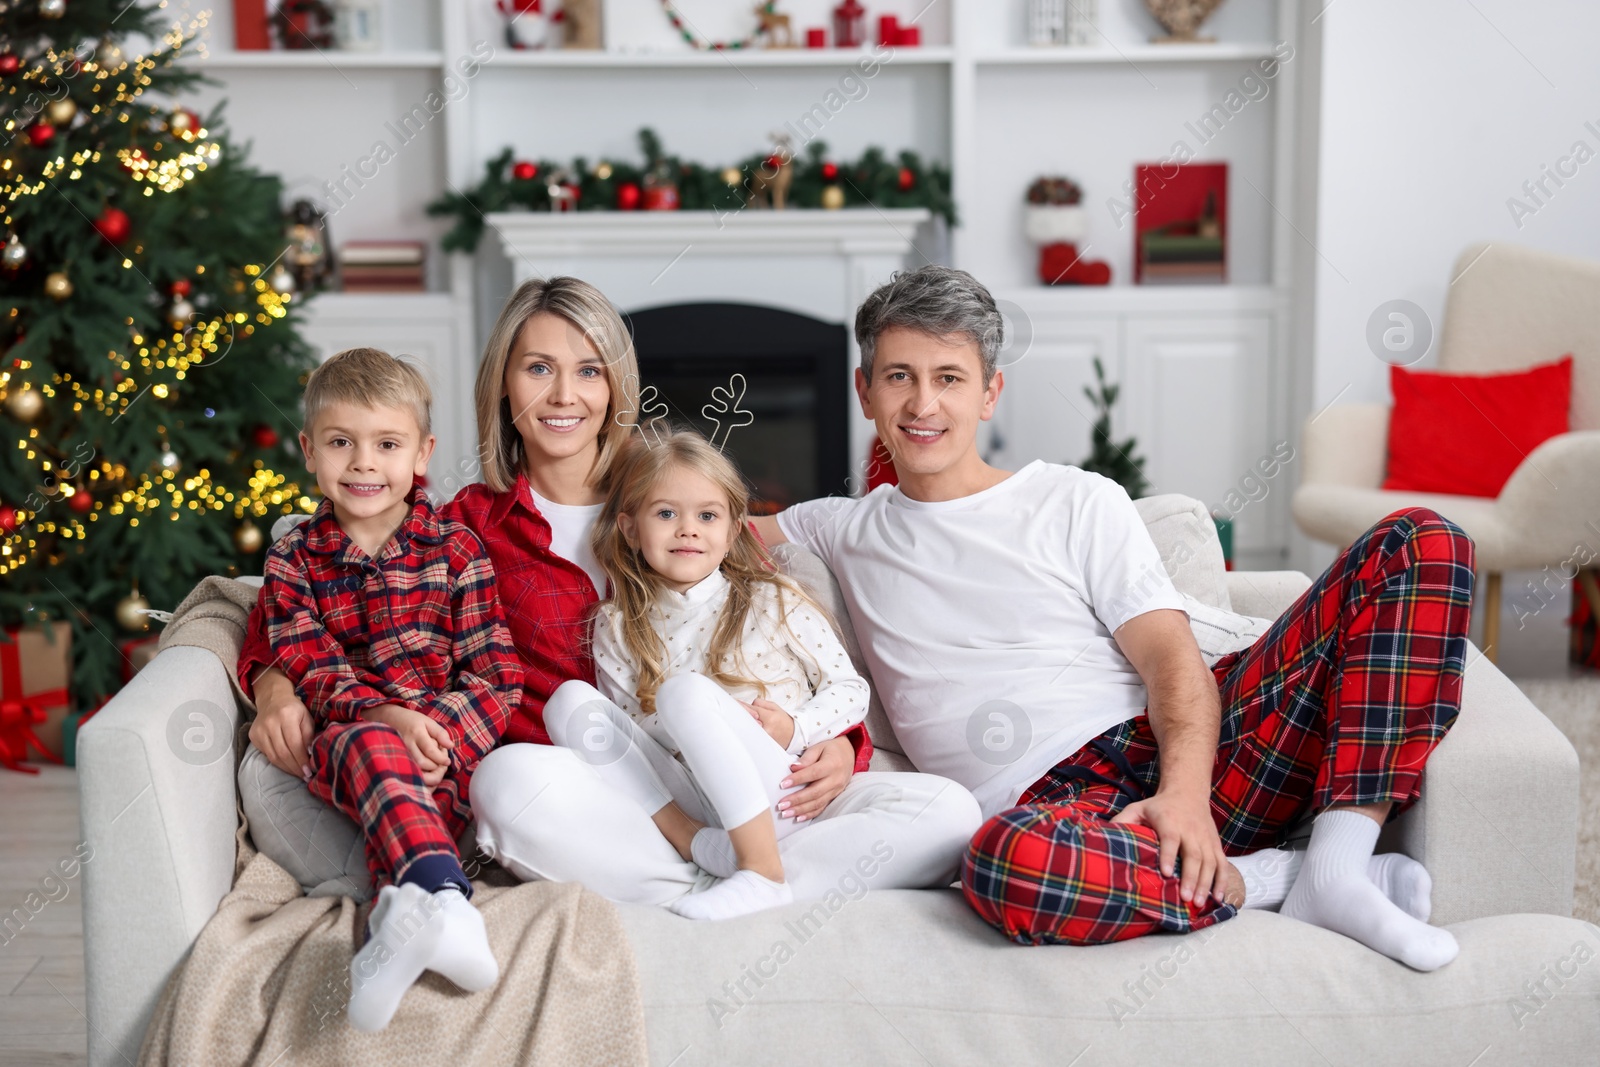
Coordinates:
[770,185]
[774,27]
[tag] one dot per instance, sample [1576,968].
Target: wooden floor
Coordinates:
[41,966]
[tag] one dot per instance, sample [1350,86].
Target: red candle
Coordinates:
[888,30]
[816,37]
[910,36]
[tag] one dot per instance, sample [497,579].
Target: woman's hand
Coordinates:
[428,742]
[778,724]
[822,771]
[282,729]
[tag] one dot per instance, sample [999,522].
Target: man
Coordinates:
[1027,643]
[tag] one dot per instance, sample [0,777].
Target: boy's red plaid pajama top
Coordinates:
[1340,702]
[420,627]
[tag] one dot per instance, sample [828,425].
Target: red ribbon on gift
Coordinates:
[19,712]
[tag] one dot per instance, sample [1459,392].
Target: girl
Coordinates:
[708,654]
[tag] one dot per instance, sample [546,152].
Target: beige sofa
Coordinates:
[903,977]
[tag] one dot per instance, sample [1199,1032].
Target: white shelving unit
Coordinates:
[1205,367]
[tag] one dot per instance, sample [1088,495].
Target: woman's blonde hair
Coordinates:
[500,448]
[634,475]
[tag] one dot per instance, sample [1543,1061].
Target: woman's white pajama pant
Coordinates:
[580,810]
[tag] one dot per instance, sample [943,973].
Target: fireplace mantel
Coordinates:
[811,261]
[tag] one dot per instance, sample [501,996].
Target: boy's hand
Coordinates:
[778,723]
[428,742]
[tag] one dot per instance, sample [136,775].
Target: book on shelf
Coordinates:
[1180,222]
[383,266]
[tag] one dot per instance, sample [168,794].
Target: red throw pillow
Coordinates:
[1465,433]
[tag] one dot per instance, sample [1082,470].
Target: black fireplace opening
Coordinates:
[795,388]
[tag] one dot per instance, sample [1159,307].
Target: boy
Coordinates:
[385,618]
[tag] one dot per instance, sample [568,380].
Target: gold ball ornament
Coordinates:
[833,198]
[61,112]
[15,253]
[109,54]
[181,313]
[182,121]
[52,9]
[282,280]
[170,460]
[731,176]
[602,170]
[25,404]
[57,286]
[131,613]
[247,538]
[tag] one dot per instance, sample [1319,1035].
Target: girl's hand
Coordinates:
[778,723]
[823,771]
[428,742]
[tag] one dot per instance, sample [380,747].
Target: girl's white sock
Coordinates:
[713,851]
[745,893]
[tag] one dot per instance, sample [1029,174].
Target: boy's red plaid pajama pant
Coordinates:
[1340,702]
[365,770]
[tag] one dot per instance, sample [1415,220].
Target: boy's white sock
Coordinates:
[1404,881]
[1334,892]
[402,943]
[1269,874]
[743,894]
[462,953]
[713,851]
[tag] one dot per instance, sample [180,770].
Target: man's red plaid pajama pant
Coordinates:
[1340,702]
[364,770]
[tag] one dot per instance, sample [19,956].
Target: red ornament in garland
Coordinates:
[114,225]
[81,502]
[830,172]
[774,163]
[41,134]
[8,518]
[628,196]
[9,63]
[264,436]
[524,171]
[907,179]
[181,288]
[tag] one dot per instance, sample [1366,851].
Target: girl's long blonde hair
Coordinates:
[635,473]
[500,451]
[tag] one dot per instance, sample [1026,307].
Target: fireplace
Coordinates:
[796,374]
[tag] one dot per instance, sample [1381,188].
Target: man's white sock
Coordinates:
[1270,873]
[745,893]
[1334,892]
[713,851]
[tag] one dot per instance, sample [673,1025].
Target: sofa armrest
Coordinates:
[156,785]
[1346,444]
[1497,823]
[1265,594]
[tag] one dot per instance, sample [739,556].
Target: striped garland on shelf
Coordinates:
[693,39]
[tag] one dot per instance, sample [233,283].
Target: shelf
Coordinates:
[755,57]
[339,306]
[1046,300]
[1138,53]
[311,59]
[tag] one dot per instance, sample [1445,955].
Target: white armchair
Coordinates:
[1509,308]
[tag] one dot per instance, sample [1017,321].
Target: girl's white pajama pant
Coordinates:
[580,810]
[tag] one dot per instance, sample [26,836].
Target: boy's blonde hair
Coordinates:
[585,307]
[368,378]
[634,475]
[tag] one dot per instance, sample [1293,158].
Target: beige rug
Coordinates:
[1573,704]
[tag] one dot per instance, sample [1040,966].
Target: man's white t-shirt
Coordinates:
[986,621]
[570,528]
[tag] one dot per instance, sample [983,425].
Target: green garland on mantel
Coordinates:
[874,179]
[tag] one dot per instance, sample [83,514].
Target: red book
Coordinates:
[1169,193]
[250,26]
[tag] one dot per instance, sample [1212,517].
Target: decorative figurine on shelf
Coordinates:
[775,27]
[1054,220]
[563,191]
[304,24]
[582,19]
[358,25]
[1083,22]
[769,185]
[1180,18]
[849,25]
[1047,23]
[527,24]
[310,254]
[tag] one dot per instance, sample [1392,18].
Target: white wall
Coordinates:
[1433,115]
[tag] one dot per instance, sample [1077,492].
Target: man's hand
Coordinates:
[1182,822]
[823,771]
[428,742]
[778,724]
[282,729]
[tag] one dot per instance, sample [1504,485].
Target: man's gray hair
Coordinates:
[933,300]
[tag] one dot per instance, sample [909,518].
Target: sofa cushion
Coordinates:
[914,976]
[1186,536]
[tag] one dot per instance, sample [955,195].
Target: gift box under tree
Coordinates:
[1585,620]
[35,665]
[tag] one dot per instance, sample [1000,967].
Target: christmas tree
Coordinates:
[149,365]
[1117,461]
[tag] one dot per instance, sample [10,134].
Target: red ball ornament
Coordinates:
[181,287]
[774,162]
[907,179]
[524,171]
[9,63]
[264,436]
[114,225]
[8,518]
[81,502]
[628,196]
[41,134]
[830,172]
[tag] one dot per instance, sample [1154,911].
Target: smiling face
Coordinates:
[365,460]
[556,384]
[927,397]
[683,529]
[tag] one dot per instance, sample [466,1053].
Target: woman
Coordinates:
[556,393]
